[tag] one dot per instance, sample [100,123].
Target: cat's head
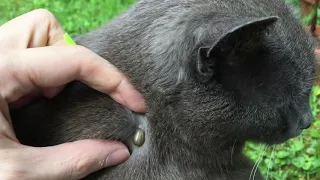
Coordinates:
[257,77]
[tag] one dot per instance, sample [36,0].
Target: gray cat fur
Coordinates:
[251,83]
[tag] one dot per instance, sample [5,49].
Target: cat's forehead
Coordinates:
[295,47]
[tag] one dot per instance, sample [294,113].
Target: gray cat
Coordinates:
[215,74]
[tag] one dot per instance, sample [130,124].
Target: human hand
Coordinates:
[34,59]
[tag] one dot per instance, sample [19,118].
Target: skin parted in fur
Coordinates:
[215,74]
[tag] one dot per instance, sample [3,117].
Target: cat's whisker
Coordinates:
[232,151]
[261,157]
[256,165]
[269,165]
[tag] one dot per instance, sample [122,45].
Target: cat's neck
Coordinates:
[172,145]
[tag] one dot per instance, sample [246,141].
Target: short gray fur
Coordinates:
[214,74]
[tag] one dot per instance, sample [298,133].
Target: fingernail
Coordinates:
[131,97]
[117,157]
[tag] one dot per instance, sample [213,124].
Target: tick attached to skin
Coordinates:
[139,138]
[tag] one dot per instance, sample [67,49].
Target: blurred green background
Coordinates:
[298,158]
[76,16]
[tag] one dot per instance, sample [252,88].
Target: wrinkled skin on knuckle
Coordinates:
[43,14]
[80,167]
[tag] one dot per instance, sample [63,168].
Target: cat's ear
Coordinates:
[235,34]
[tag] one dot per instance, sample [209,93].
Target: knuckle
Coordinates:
[81,167]
[76,51]
[42,13]
[84,53]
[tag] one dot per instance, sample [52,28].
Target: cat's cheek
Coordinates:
[279,134]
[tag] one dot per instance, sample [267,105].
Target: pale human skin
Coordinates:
[34,60]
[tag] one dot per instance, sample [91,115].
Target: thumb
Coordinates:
[77,159]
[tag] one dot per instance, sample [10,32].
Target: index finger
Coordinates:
[54,66]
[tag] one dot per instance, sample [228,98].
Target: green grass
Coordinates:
[299,158]
[76,16]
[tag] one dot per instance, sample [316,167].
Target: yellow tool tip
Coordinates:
[68,39]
